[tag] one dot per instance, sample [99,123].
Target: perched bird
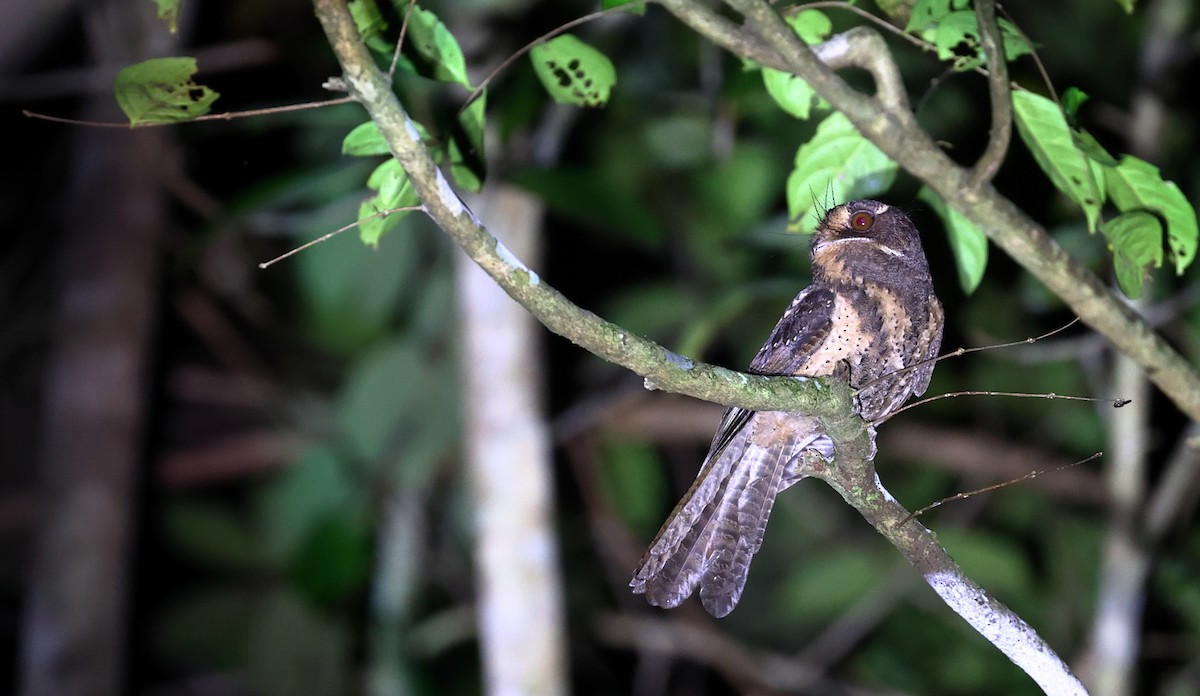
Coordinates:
[870,309]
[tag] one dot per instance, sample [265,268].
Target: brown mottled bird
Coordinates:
[870,308]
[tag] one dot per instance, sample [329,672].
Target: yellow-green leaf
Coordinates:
[161,90]
[836,164]
[1044,129]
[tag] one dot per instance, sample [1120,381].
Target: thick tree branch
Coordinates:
[662,368]
[898,135]
[998,91]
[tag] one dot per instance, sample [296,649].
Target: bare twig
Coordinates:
[326,237]
[995,486]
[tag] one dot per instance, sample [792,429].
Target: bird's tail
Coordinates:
[718,526]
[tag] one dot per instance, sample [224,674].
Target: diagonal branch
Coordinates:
[662,368]
[998,91]
[899,136]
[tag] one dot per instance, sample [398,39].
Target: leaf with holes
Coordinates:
[1136,185]
[574,72]
[161,90]
[1136,243]
[968,242]
[1044,129]
[837,164]
[957,40]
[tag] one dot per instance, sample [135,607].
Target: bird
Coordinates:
[870,315]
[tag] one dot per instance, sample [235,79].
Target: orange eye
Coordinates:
[861,222]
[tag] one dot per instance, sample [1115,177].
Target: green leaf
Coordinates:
[1044,129]
[365,140]
[1072,99]
[968,242]
[1135,184]
[574,72]
[1136,242]
[168,11]
[926,14]
[313,488]
[957,40]
[394,191]
[467,164]
[161,90]
[1127,5]
[434,42]
[836,164]
[368,20]
[811,25]
[790,92]
[334,561]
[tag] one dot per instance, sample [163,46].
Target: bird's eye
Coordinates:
[861,222]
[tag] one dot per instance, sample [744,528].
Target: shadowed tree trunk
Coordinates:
[74,632]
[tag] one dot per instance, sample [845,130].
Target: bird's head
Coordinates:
[867,238]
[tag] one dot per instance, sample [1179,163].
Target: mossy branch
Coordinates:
[766,37]
[662,368]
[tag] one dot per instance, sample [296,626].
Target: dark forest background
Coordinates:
[271,432]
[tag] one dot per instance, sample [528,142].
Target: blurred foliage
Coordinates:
[349,569]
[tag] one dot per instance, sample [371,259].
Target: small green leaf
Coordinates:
[1136,243]
[1072,99]
[1135,184]
[574,72]
[1127,5]
[168,11]
[434,42]
[968,242]
[792,93]
[926,14]
[365,141]
[1044,129]
[467,164]
[394,191]
[838,164]
[957,40]
[789,91]
[811,25]
[367,18]
[161,90]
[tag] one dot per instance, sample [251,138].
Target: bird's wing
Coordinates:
[800,331]
[924,373]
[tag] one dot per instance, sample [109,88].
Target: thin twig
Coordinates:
[998,90]
[1116,403]
[391,73]
[963,351]
[224,116]
[326,237]
[996,486]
